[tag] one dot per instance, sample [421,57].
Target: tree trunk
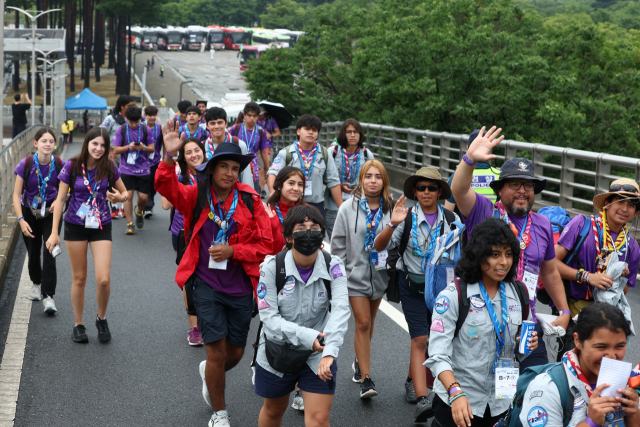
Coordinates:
[38,5]
[112,43]
[70,21]
[81,38]
[130,63]
[88,39]
[45,6]
[16,76]
[121,50]
[98,50]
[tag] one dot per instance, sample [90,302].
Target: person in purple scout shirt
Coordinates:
[270,126]
[193,129]
[88,223]
[155,129]
[515,191]
[256,139]
[33,195]
[134,142]
[202,106]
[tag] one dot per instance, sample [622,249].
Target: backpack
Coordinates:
[559,218]
[289,157]
[559,378]
[393,290]
[28,162]
[111,176]
[281,278]
[144,133]
[439,270]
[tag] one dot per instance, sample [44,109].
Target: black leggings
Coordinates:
[443,417]
[46,274]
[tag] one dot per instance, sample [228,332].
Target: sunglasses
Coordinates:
[432,188]
[624,187]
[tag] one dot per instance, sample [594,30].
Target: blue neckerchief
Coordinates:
[372,223]
[307,174]
[280,217]
[433,235]
[43,182]
[250,143]
[195,135]
[499,327]
[137,152]
[217,218]
[354,167]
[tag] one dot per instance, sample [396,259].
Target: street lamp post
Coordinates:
[134,68]
[53,87]
[44,84]
[33,52]
[186,81]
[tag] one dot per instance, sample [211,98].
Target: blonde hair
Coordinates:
[387,198]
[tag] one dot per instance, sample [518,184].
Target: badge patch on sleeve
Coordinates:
[261,290]
[473,331]
[336,271]
[535,394]
[442,304]
[537,417]
[437,326]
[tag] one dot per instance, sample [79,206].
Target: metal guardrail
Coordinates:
[10,156]
[164,114]
[573,176]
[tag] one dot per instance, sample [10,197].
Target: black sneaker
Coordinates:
[367,388]
[103,330]
[357,378]
[410,392]
[80,334]
[148,213]
[139,218]
[424,410]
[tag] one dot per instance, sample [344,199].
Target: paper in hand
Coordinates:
[613,372]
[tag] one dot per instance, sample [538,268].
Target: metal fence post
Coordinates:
[444,143]
[602,169]
[394,148]
[411,156]
[537,159]
[427,141]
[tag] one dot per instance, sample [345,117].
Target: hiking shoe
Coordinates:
[298,402]
[219,419]
[114,215]
[49,305]
[205,390]
[194,336]
[103,330]
[80,334]
[131,229]
[357,378]
[410,392]
[148,213]
[367,388]
[139,218]
[35,294]
[424,409]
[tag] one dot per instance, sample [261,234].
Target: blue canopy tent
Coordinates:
[86,100]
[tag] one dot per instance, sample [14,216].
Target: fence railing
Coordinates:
[573,176]
[10,156]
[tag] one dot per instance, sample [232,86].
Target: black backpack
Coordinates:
[393,290]
[144,133]
[28,162]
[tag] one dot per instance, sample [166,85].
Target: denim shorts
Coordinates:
[271,386]
[415,309]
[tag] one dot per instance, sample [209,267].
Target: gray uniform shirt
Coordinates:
[245,177]
[300,312]
[365,154]
[424,237]
[321,172]
[471,355]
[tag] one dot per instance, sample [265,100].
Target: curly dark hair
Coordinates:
[490,232]
[601,315]
[297,215]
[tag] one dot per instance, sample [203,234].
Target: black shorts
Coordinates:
[79,233]
[140,183]
[174,242]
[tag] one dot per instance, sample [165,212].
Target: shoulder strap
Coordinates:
[281,275]
[72,180]
[28,162]
[463,304]
[559,378]
[247,199]
[289,156]
[235,129]
[327,282]
[325,156]
[449,217]
[235,140]
[523,296]
[121,129]
[58,164]
[144,132]
[581,238]
[558,225]
[404,240]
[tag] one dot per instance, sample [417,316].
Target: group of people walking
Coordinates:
[239,257]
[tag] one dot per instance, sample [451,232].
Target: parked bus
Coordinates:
[196,35]
[251,52]
[293,35]
[148,39]
[174,38]
[235,37]
[216,38]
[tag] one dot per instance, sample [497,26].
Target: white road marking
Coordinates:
[11,367]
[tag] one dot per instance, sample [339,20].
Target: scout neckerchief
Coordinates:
[350,169]
[570,360]
[43,182]
[208,145]
[188,132]
[213,215]
[604,241]
[497,325]
[93,194]
[137,152]
[250,143]
[433,230]
[281,218]
[524,235]
[306,163]
[372,223]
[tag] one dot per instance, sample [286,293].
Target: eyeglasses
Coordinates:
[624,187]
[432,188]
[515,185]
[352,132]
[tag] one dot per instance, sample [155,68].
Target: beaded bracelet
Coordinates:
[586,277]
[580,275]
[460,395]
[452,384]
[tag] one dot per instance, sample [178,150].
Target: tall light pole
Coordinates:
[33,52]
[134,68]
[184,82]
[44,84]
[54,79]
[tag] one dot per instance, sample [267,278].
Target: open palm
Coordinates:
[172,138]
[480,148]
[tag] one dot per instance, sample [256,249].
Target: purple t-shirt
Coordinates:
[270,125]
[156,135]
[31,186]
[201,133]
[178,219]
[587,256]
[255,141]
[305,273]
[431,218]
[81,194]
[142,164]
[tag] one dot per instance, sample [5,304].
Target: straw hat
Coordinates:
[431,174]
[623,187]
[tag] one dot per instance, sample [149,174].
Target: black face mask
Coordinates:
[307,242]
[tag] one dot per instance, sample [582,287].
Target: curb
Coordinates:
[8,243]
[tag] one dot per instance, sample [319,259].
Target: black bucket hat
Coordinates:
[228,151]
[518,168]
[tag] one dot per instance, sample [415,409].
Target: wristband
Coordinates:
[454,389]
[591,423]
[565,312]
[391,225]
[465,394]
[125,197]
[467,161]
[580,275]
[168,155]
[586,277]
[452,384]
[20,218]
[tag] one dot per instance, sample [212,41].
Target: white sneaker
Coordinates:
[205,390]
[298,402]
[49,305]
[35,294]
[219,419]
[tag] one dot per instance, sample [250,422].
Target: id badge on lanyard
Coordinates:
[218,265]
[308,187]
[131,158]
[379,259]
[83,210]
[507,374]
[530,279]
[91,221]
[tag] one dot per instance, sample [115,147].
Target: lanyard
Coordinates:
[226,224]
[524,236]
[155,132]
[252,142]
[93,194]
[137,153]
[350,169]
[281,218]
[432,236]
[43,182]
[209,148]
[602,236]
[306,163]
[195,134]
[497,325]
[372,223]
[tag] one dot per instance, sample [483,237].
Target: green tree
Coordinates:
[285,14]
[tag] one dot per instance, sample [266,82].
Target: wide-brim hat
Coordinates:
[518,168]
[617,188]
[228,151]
[427,173]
